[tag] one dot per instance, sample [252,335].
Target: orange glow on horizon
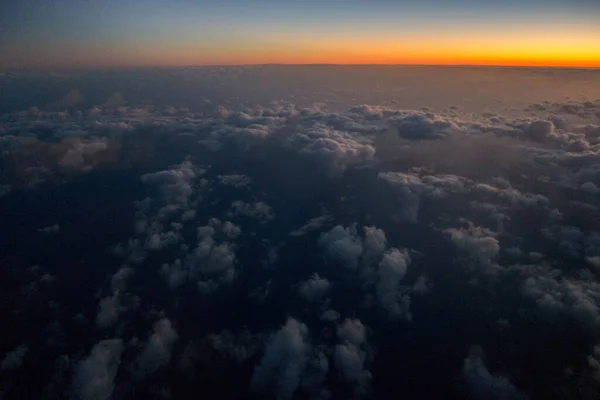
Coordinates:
[556,50]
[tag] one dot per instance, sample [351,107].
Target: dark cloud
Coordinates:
[485,385]
[313,224]
[156,353]
[94,377]
[342,245]
[14,359]
[234,180]
[314,288]
[284,360]
[350,355]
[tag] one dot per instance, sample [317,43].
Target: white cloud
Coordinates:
[560,297]
[258,209]
[374,245]
[94,377]
[157,351]
[342,245]
[284,360]
[483,384]
[477,243]
[350,355]
[174,185]
[335,149]
[49,230]
[418,125]
[238,347]
[234,180]
[391,271]
[75,157]
[311,225]
[109,309]
[314,288]
[13,359]
[352,331]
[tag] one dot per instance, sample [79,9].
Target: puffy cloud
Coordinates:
[424,125]
[311,225]
[435,186]
[391,270]
[48,230]
[513,196]
[594,362]
[335,149]
[157,351]
[352,331]
[259,210]
[211,258]
[540,130]
[94,377]
[483,384]
[13,359]
[234,180]
[342,245]
[238,347]
[314,288]
[174,185]
[590,188]
[410,186]
[330,316]
[75,157]
[109,309]
[350,355]
[478,243]
[558,298]
[284,360]
[374,244]
[569,238]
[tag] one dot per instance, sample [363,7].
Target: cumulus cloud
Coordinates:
[174,185]
[342,245]
[76,156]
[374,244]
[350,355]
[391,270]
[570,239]
[477,243]
[157,351]
[314,288]
[558,298]
[234,180]
[258,209]
[238,347]
[284,360]
[336,150]
[419,125]
[94,377]
[49,230]
[14,359]
[410,186]
[483,384]
[311,225]
[109,309]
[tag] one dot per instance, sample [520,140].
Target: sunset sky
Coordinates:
[86,33]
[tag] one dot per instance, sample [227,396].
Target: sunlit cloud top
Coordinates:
[85,33]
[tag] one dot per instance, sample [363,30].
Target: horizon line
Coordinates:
[117,67]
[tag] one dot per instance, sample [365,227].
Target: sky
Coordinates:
[85,33]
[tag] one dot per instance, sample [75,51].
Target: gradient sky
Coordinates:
[91,33]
